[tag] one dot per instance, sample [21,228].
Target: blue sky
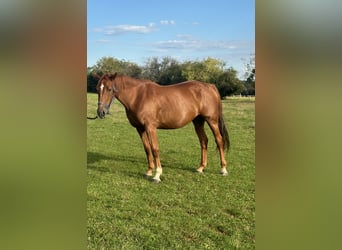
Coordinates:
[185,30]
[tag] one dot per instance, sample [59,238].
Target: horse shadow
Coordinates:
[94,160]
[93,157]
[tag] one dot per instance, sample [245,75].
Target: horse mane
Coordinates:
[122,78]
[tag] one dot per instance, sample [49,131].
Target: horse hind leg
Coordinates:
[203,139]
[220,144]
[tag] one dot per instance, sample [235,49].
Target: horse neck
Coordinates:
[126,93]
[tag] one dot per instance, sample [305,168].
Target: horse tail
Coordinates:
[223,130]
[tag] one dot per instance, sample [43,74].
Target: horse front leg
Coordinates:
[153,140]
[148,151]
[203,139]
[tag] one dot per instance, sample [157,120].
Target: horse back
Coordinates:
[174,106]
[205,95]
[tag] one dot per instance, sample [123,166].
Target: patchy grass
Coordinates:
[186,210]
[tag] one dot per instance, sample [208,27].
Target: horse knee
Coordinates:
[155,152]
[205,143]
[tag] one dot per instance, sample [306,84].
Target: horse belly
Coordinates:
[174,120]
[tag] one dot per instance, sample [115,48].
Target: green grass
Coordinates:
[186,210]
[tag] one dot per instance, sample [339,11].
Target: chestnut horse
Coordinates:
[150,106]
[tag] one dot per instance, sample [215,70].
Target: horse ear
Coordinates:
[112,76]
[95,75]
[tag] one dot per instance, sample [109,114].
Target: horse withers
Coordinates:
[150,106]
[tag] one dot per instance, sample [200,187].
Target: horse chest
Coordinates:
[133,119]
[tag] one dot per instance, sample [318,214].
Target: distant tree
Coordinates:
[168,70]
[250,68]
[249,82]
[171,71]
[111,65]
[91,81]
[251,76]
[206,70]
[108,65]
[131,69]
[229,84]
[164,71]
[151,70]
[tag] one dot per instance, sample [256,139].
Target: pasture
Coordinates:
[186,210]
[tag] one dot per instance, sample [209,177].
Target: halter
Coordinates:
[108,106]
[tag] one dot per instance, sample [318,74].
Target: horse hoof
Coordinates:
[199,170]
[147,176]
[156,180]
[224,173]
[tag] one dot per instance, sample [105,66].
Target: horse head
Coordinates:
[106,93]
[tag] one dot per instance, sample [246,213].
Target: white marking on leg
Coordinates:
[200,170]
[224,171]
[149,173]
[159,171]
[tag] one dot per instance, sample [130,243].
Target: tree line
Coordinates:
[167,70]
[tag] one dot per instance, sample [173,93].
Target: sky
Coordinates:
[135,31]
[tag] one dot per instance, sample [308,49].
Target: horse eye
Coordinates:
[109,89]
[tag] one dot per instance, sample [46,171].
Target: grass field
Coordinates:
[186,210]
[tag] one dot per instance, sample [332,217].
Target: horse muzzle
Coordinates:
[102,110]
[101,113]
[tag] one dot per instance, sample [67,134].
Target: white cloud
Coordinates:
[126,28]
[178,44]
[185,36]
[103,41]
[187,42]
[96,30]
[167,22]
